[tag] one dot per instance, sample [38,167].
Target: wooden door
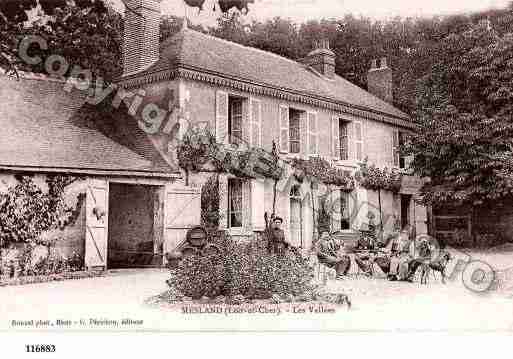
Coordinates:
[97,207]
[182,211]
[158,229]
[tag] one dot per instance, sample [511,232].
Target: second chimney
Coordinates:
[141,35]
[322,59]
[379,80]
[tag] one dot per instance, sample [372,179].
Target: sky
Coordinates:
[302,10]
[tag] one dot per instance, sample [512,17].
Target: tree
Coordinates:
[465,110]
[241,5]
[231,28]
[87,34]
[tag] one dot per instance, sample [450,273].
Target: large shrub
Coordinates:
[245,269]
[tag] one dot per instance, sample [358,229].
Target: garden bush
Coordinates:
[53,263]
[243,269]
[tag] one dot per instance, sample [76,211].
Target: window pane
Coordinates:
[294,131]
[235,203]
[235,120]
[344,141]
[295,147]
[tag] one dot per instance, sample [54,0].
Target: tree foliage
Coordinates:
[465,110]
[87,33]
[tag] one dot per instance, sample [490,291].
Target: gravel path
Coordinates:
[377,305]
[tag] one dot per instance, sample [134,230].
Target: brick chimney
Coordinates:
[322,59]
[379,80]
[141,35]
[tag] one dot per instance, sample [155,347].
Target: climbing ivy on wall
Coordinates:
[373,178]
[322,171]
[26,211]
[197,149]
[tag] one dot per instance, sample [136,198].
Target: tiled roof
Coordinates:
[194,50]
[42,127]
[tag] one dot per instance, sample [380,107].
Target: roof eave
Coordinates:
[92,171]
[183,70]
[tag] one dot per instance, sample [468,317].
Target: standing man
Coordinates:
[277,241]
[327,255]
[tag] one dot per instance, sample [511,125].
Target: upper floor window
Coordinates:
[347,139]
[294,131]
[235,119]
[399,140]
[343,139]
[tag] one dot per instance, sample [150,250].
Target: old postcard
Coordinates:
[255,165]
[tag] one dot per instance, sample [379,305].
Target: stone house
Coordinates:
[131,200]
[252,98]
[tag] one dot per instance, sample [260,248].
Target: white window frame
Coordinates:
[229,210]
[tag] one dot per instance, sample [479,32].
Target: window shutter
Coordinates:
[255,123]
[284,129]
[246,203]
[257,204]
[358,141]
[312,134]
[222,117]
[303,134]
[246,124]
[395,148]
[335,138]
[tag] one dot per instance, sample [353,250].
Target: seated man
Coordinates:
[327,255]
[365,260]
[401,257]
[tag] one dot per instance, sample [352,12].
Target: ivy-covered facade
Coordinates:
[337,158]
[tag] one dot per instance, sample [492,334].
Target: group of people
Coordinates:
[398,258]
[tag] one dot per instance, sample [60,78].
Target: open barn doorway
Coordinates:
[133,235]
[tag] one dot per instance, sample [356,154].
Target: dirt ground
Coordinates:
[378,305]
